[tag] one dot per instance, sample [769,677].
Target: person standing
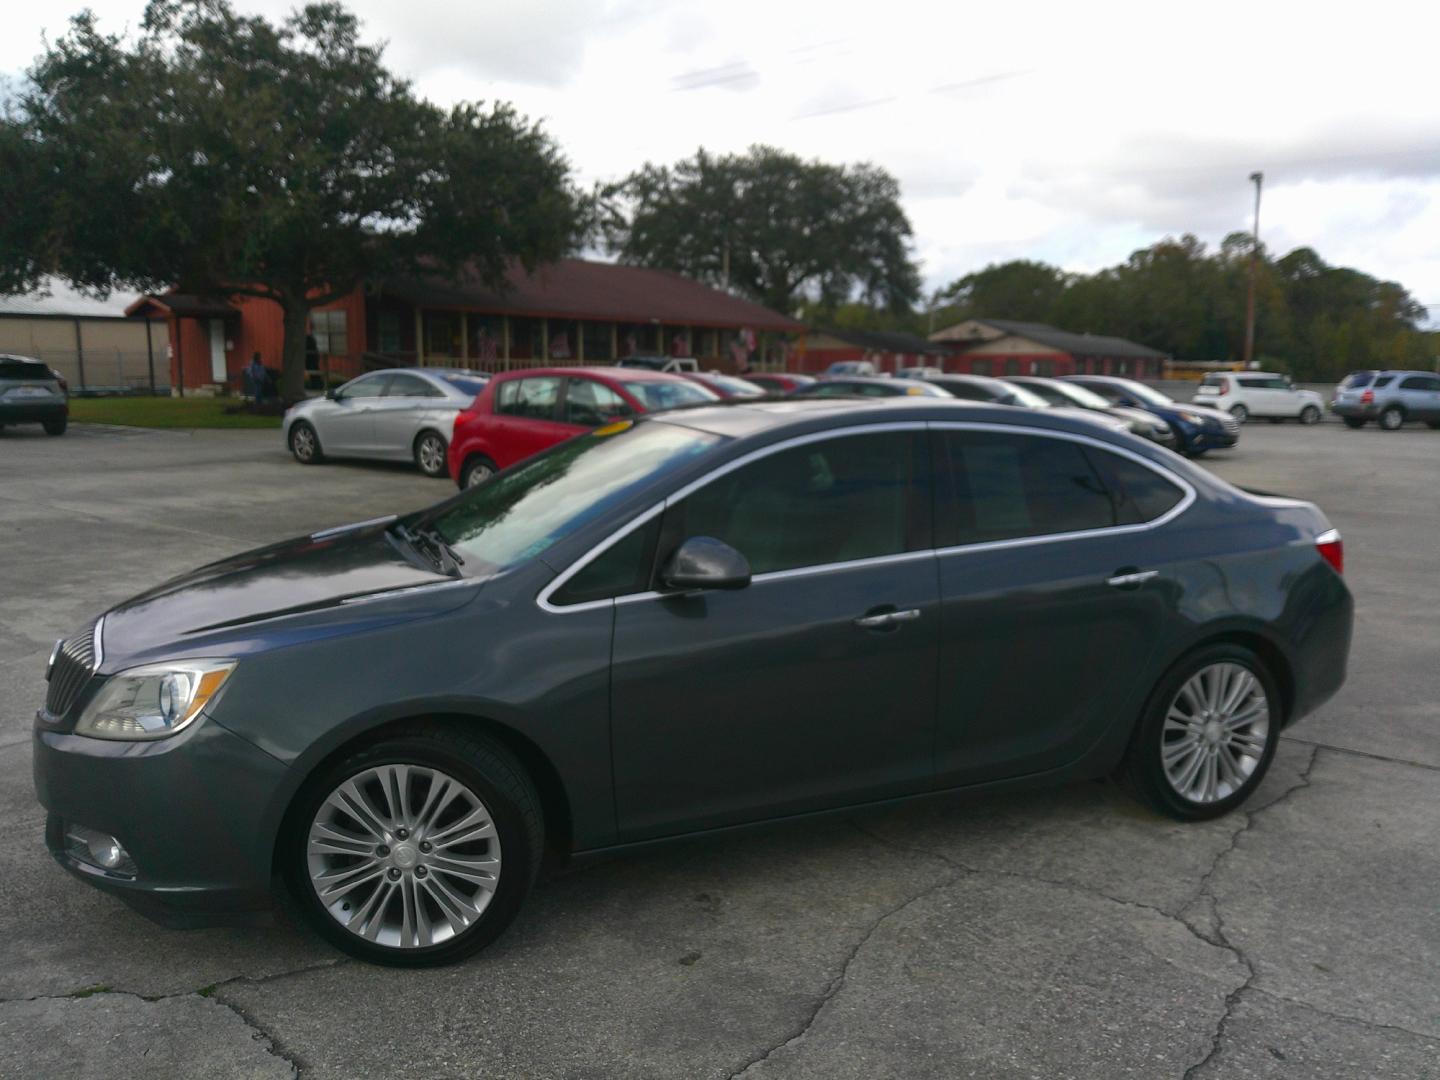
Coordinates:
[255,377]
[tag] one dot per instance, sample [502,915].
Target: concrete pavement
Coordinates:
[1059,933]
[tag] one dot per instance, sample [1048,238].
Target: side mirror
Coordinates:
[702,562]
[332,394]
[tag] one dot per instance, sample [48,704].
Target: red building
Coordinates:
[572,311]
[1003,347]
[887,350]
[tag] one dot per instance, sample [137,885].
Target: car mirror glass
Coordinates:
[333,395]
[703,562]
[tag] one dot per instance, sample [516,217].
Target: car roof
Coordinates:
[744,418]
[17,358]
[974,380]
[629,374]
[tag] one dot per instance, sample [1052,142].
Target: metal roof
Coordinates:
[1068,342]
[582,289]
[57,300]
[892,341]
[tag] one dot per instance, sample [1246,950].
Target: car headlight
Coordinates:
[1160,429]
[1192,418]
[154,701]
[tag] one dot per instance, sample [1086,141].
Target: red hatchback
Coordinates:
[523,412]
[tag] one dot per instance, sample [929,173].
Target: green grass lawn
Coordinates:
[164,412]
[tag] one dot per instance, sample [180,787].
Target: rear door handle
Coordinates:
[1128,579]
[887,618]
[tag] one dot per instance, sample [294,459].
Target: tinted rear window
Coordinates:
[1213,380]
[18,369]
[1357,379]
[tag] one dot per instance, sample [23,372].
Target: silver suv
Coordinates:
[31,392]
[1390,398]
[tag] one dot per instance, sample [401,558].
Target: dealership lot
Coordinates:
[1049,934]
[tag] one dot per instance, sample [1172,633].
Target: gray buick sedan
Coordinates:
[693,621]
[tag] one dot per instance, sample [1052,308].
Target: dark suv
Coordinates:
[31,392]
[1390,398]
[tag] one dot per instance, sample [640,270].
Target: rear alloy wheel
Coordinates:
[305,444]
[1240,413]
[1208,736]
[417,850]
[476,471]
[1310,414]
[1353,422]
[1392,418]
[56,427]
[430,453]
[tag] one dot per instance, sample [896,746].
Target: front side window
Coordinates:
[529,399]
[1009,486]
[592,403]
[852,497]
[525,510]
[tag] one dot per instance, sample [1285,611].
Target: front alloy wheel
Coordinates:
[1392,418]
[418,850]
[1240,413]
[1310,414]
[304,443]
[1207,737]
[477,471]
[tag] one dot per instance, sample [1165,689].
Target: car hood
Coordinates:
[1132,416]
[296,576]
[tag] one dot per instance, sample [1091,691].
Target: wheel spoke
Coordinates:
[337,883]
[1240,686]
[327,839]
[351,799]
[1247,743]
[480,870]
[473,826]
[459,912]
[442,793]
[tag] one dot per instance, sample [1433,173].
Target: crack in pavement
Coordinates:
[1232,999]
[838,982]
[272,1045]
[1363,753]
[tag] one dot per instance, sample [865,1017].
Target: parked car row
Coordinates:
[469,426]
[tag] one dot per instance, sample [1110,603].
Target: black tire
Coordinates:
[56,427]
[478,762]
[430,446]
[1310,414]
[1432,424]
[1353,422]
[1142,772]
[1240,413]
[1392,418]
[477,469]
[306,452]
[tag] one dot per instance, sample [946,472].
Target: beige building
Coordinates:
[90,342]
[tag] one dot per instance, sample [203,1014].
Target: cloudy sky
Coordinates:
[1072,133]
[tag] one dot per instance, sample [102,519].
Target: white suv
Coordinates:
[1244,394]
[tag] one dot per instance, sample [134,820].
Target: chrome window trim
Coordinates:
[1187,499]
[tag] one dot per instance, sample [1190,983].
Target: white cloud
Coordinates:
[1058,131]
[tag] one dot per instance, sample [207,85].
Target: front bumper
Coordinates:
[189,810]
[33,411]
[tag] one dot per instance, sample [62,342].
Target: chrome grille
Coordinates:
[75,662]
[1232,427]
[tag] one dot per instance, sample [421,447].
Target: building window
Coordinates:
[1122,367]
[980,367]
[487,338]
[639,339]
[442,333]
[561,345]
[525,343]
[598,340]
[387,330]
[677,340]
[330,333]
[1012,366]
[704,340]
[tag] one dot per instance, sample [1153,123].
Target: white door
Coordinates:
[217,351]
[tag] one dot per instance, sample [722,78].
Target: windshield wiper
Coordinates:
[429,543]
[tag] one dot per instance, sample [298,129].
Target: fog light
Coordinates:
[98,849]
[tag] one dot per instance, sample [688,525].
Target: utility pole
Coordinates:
[1257,178]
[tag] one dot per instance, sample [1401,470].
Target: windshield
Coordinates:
[656,395]
[525,510]
[1075,394]
[1027,397]
[466,384]
[1147,394]
[735,387]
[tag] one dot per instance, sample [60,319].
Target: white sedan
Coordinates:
[400,414]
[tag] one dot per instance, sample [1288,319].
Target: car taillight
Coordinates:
[1332,549]
[1367,398]
[1224,389]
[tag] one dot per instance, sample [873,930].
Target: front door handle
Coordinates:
[1128,578]
[883,619]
